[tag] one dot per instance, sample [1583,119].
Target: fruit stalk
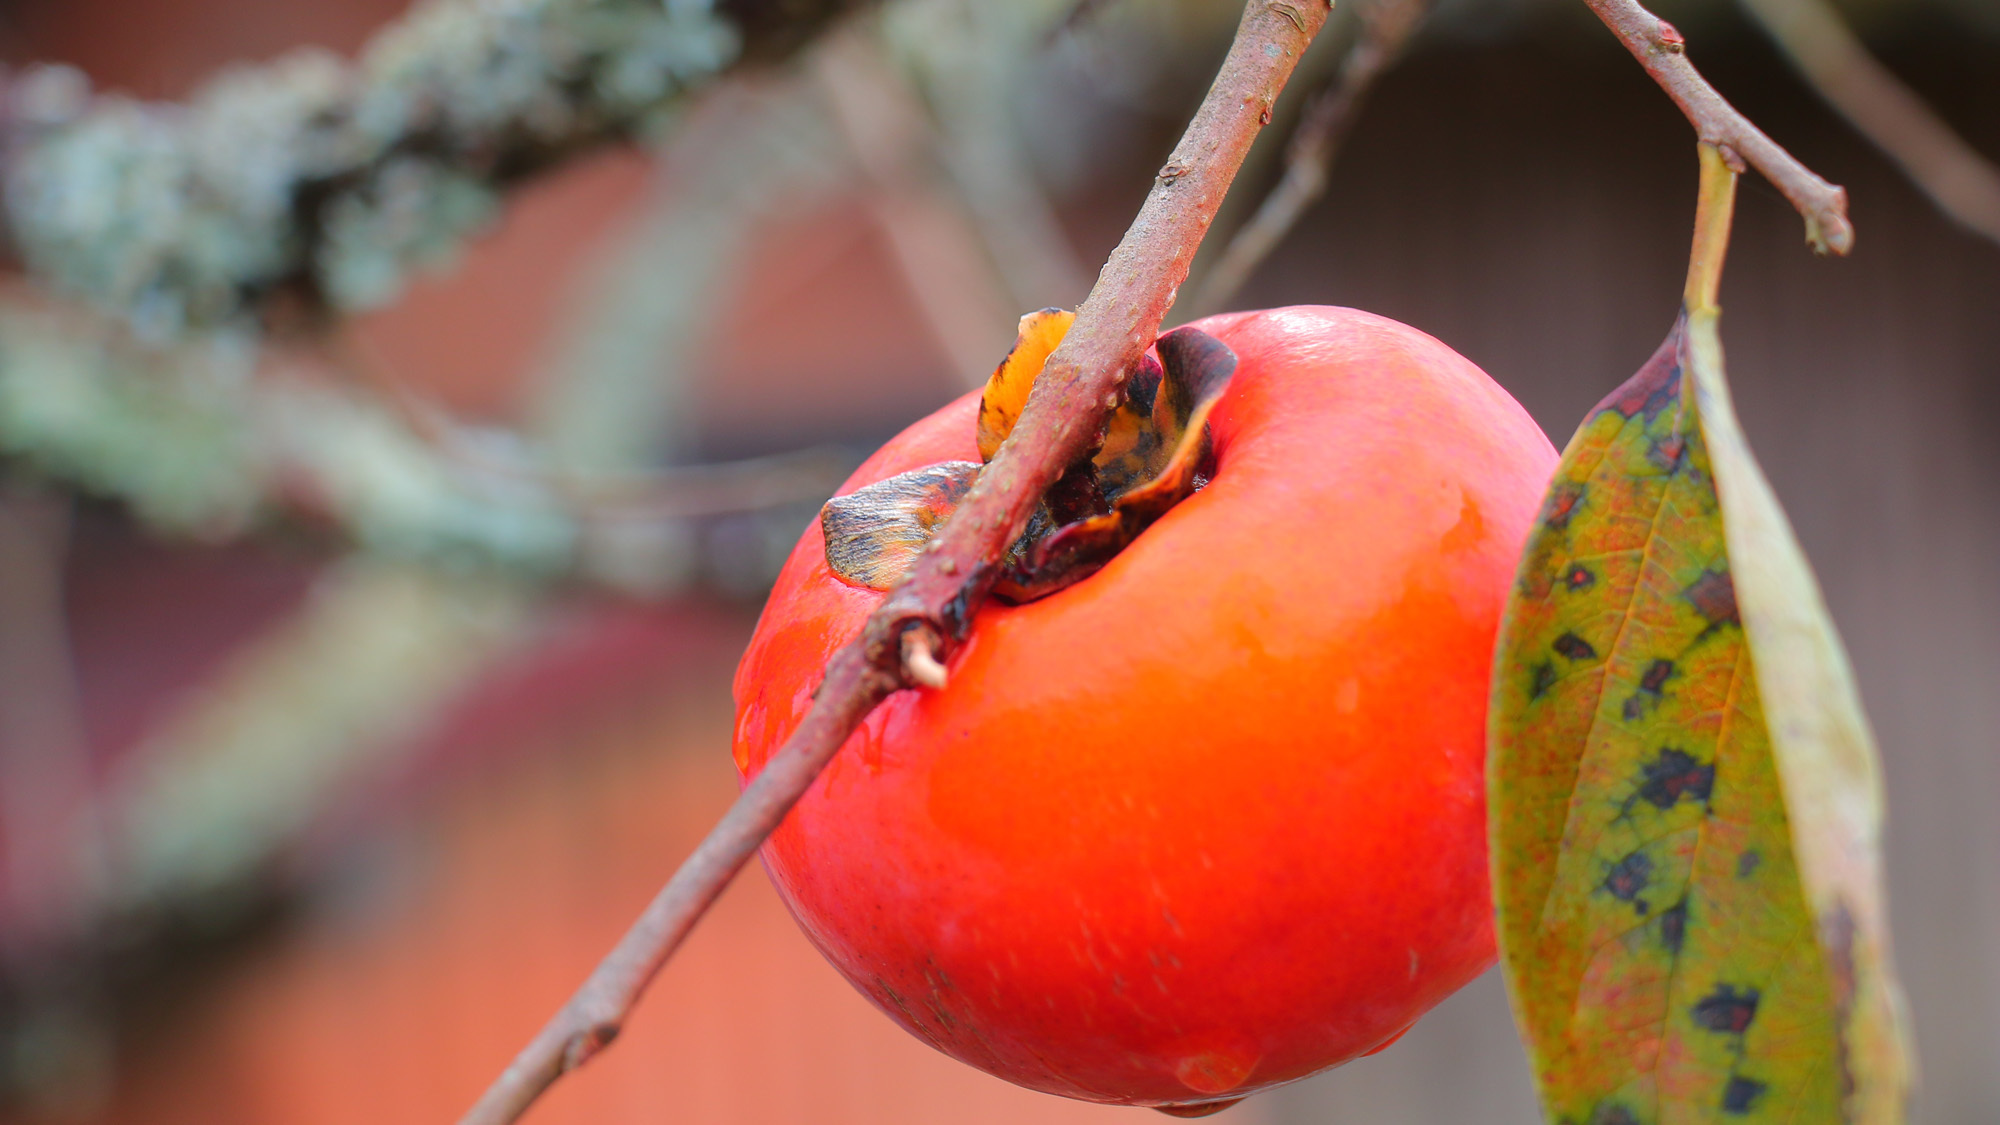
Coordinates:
[906,639]
[1663,52]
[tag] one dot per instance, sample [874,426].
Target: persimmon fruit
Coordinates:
[1210,818]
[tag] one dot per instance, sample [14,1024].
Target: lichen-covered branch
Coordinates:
[328,181]
[1663,52]
[1964,184]
[197,441]
[904,641]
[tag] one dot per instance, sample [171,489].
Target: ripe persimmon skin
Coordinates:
[1212,819]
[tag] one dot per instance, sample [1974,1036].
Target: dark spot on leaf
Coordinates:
[1726,1009]
[1747,863]
[1650,684]
[1574,647]
[1562,502]
[1579,578]
[1674,774]
[1714,597]
[1741,1095]
[1669,454]
[1545,678]
[1673,926]
[1656,676]
[1613,1113]
[1628,877]
[1655,387]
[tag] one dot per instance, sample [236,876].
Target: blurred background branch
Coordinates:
[1385,29]
[327,182]
[1964,184]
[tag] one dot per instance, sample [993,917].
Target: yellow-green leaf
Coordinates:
[1684,798]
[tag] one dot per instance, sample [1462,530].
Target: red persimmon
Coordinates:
[1211,818]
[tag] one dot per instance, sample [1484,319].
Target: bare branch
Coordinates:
[1663,52]
[1964,184]
[951,579]
[951,279]
[1386,28]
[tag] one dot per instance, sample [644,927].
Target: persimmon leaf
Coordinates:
[1684,806]
[1824,748]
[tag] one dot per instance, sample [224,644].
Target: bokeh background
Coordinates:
[324,777]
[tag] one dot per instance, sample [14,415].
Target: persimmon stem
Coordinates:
[951,579]
[1715,210]
[1663,52]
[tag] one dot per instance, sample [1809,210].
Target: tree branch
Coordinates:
[325,182]
[1386,27]
[1663,52]
[917,624]
[1963,184]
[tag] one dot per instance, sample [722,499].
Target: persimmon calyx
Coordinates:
[1155,452]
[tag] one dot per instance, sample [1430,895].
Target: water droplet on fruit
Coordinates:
[1213,1072]
[1197,1109]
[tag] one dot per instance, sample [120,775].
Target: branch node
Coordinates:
[1669,39]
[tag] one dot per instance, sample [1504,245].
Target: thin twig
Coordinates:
[1964,184]
[1386,28]
[1663,52]
[952,577]
[45,791]
[942,256]
[658,493]
[965,83]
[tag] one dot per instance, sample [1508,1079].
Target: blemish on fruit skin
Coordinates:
[1213,1071]
[1469,533]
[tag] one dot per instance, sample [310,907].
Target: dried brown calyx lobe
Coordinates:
[1155,451]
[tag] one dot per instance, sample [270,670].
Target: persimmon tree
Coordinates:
[1739,837]
[1683,793]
